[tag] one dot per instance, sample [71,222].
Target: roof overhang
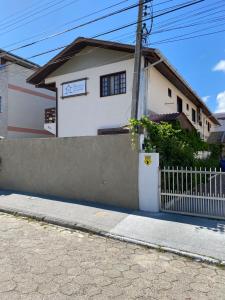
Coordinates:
[9,57]
[152,55]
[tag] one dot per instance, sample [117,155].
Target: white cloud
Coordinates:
[205,98]
[220,102]
[220,66]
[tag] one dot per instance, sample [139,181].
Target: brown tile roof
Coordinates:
[164,117]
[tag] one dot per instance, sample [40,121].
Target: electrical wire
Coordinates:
[34,19]
[169,10]
[81,25]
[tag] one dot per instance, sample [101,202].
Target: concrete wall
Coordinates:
[102,168]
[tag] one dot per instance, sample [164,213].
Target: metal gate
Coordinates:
[193,192]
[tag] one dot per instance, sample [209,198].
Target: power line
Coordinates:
[80,26]
[68,57]
[214,20]
[187,38]
[197,12]
[24,12]
[80,18]
[176,8]
[165,12]
[75,20]
[34,19]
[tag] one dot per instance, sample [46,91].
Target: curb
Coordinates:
[95,230]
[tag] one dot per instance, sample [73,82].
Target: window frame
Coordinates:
[108,87]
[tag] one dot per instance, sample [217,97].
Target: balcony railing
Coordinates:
[50,115]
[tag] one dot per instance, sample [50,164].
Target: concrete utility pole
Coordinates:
[137,62]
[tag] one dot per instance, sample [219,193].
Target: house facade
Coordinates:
[93,80]
[22,106]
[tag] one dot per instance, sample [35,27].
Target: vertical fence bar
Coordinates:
[173,180]
[210,182]
[164,182]
[200,181]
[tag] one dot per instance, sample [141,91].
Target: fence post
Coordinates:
[148,181]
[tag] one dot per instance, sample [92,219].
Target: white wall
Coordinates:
[159,102]
[84,115]
[26,110]
[4,97]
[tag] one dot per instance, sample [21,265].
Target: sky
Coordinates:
[200,60]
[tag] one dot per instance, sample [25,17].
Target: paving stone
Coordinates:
[45,262]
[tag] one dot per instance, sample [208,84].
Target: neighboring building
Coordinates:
[93,80]
[217,135]
[22,106]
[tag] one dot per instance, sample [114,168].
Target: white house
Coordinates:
[22,106]
[93,80]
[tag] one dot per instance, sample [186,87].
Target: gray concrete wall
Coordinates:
[101,168]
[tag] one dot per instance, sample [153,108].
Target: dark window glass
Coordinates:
[170,93]
[209,126]
[187,106]
[113,84]
[179,105]
[193,115]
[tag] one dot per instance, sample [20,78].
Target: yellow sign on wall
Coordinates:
[148,160]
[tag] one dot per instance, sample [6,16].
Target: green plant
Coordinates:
[176,146]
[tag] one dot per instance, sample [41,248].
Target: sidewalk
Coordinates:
[192,235]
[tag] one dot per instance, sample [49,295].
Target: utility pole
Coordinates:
[137,63]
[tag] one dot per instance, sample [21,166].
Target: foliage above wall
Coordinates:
[176,146]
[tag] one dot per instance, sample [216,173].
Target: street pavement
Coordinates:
[39,261]
[192,235]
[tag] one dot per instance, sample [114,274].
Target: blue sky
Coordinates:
[201,61]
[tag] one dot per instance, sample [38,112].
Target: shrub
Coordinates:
[176,146]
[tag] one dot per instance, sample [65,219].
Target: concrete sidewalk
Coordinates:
[188,235]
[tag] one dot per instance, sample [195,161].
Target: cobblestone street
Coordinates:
[40,261]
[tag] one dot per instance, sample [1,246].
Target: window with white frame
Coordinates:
[113,84]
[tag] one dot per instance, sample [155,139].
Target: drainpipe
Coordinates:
[142,111]
[147,78]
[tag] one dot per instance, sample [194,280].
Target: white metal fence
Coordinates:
[194,192]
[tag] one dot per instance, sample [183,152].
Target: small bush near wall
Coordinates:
[176,146]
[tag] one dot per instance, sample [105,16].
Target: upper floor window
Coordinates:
[209,126]
[187,106]
[179,105]
[169,92]
[193,115]
[113,84]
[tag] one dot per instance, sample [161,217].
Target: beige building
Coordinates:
[22,106]
[93,80]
